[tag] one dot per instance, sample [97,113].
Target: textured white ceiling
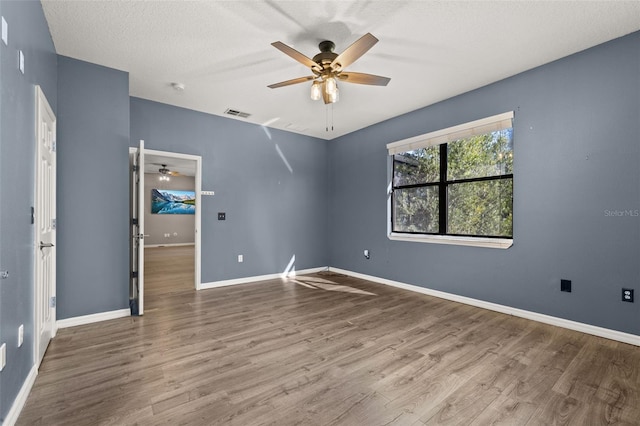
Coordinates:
[221,52]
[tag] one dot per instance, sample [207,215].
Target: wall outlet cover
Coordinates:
[5,32]
[20,335]
[21,61]
[627,295]
[3,356]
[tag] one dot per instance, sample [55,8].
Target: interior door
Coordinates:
[137,232]
[45,222]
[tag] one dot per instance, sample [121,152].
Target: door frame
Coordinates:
[42,105]
[198,215]
[136,282]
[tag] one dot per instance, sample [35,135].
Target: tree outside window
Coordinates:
[463,187]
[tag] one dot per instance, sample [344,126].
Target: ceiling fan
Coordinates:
[328,67]
[165,173]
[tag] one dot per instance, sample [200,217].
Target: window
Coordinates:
[456,182]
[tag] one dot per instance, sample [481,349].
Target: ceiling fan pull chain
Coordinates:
[326,118]
[332,117]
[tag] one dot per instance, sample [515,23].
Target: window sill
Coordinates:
[499,243]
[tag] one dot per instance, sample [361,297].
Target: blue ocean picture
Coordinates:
[171,201]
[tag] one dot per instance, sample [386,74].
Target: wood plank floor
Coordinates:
[325,349]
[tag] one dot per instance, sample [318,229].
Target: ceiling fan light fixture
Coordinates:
[164,174]
[316,90]
[330,86]
[334,96]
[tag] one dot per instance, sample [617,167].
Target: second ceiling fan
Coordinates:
[165,173]
[328,67]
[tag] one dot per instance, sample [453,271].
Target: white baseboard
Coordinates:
[88,319]
[224,283]
[631,339]
[168,245]
[21,398]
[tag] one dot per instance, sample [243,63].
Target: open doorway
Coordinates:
[166,204]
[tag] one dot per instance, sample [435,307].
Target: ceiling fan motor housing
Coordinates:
[326,56]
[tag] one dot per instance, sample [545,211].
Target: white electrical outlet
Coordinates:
[20,335]
[5,32]
[240,258]
[21,62]
[3,356]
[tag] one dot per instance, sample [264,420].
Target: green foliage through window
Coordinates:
[464,187]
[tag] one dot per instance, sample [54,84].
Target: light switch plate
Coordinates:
[20,335]
[5,32]
[207,193]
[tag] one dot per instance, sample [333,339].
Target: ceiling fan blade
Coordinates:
[355,51]
[362,78]
[290,82]
[294,54]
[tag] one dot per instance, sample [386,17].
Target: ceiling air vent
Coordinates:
[237,113]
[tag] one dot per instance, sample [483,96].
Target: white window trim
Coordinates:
[484,125]
[498,243]
[461,131]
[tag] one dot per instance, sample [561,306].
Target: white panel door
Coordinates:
[137,214]
[45,222]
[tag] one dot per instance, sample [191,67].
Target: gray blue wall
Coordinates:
[577,127]
[271,184]
[577,156]
[28,31]
[93,189]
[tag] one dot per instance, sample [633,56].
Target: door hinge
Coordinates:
[54,223]
[134,274]
[134,168]
[134,221]
[54,146]
[52,302]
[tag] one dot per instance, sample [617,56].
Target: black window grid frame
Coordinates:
[443,185]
